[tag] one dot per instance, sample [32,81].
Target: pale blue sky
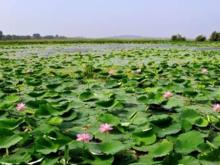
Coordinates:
[100,18]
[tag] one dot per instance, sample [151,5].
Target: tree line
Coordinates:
[26,37]
[215,36]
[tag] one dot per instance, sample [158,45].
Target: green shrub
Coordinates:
[1,34]
[215,36]
[200,38]
[178,37]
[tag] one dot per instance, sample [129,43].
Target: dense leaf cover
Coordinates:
[68,95]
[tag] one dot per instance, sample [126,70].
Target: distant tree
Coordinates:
[1,35]
[178,37]
[27,37]
[8,37]
[36,36]
[22,37]
[62,37]
[215,36]
[48,37]
[200,38]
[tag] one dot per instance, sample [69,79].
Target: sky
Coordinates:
[104,18]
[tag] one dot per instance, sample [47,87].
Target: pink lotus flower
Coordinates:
[138,71]
[29,71]
[105,128]
[216,107]
[20,106]
[111,72]
[204,70]
[84,137]
[167,95]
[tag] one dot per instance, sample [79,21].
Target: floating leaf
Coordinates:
[17,158]
[109,118]
[9,123]
[188,142]
[189,160]
[160,119]
[8,138]
[55,121]
[161,149]
[144,138]
[173,128]
[46,146]
[105,103]
[86,96]
[110,148]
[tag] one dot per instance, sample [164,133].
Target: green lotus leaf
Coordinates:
[33,81]
[46,146]
[216,141]
[55,121]
[47,110]
[175,101]
[53,84]
[143,99]
[69,115]
[211,158]
[188,142]
[147,159]
[8,138]
[190,92]
[17,158]
[151,98]
[189,160]
[1,94]
[86,96]
[172,129]
[77,145]
[190,115]
[100,161]
[52,94]
[36,93]
[160,119]
[161,149]
[11,99]
[109,118]
[105,103]
[44,110]
[9,89]
[112,84]
[110,148]
[145,138]
[118,76]
[10,123]
[138,118]
[50,161]
[201,122]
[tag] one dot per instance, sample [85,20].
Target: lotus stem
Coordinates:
[66,155]
[7,152]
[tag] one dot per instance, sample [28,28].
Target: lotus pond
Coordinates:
[130,106]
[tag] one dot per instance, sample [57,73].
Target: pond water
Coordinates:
[60,49]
